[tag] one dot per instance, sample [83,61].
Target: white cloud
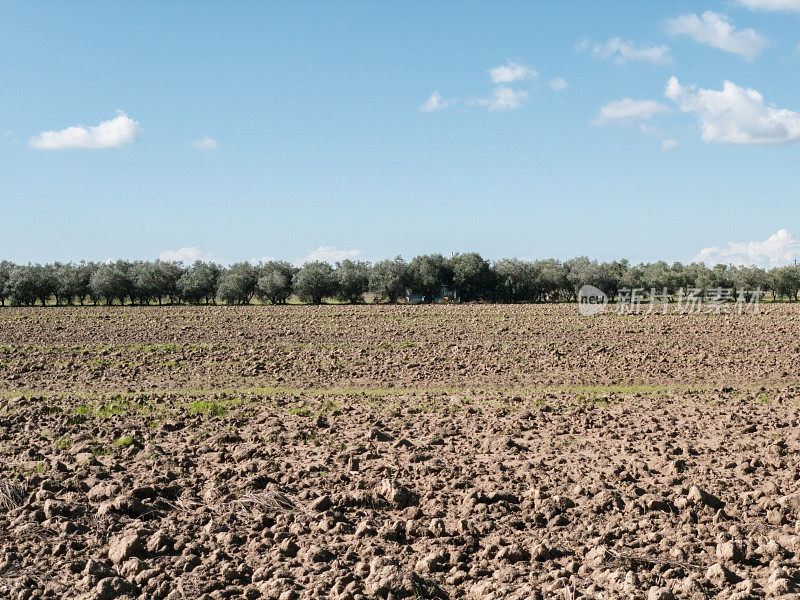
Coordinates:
[626,51]
[558,84]
[736,115]
[503,98]
[781,248]
[435,102]
[119,131]
[627,110]
[668,145]
[511,72]
[328,254]
[716,31]
[185,255]
[771,5]
[206,143]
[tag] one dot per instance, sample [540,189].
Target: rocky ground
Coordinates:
[398,452]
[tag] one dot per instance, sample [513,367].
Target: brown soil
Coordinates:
[390,452]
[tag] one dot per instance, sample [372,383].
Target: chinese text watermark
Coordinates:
[686,301]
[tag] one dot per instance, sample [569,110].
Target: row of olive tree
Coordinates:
[428,277]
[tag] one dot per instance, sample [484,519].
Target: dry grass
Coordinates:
[12,495]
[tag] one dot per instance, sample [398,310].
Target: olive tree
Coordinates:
[275,281]
[169,273]
[750,278]
[516,280]
[388,279]
[156,280]
[199,283]
[22,285]
[553,282]
[472,277]
[5,272]
[584,271]
[722,276]
[112,281]
[785,281]
[69,283]
[352,280]
[26,284]
[237,284]
[428,273]
[656,276]
[314,281]
[85,272]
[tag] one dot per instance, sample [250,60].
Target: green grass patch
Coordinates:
[115,406]
[124,441]
[210,408]
[65,443]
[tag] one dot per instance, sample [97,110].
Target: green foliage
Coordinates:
[115,406]
[5,274]
[207,408]
[112,281]
[388,279]
[28,284]
[299,411]
[428,274]
[583,271]
[199,283]
[352,280]
[237,284]
[785,281]
[65,443]
[473,279]
[155,281]
[73,282]
[275,281]
[315,281]
[517,280]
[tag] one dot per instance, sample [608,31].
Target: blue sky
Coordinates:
[248,130]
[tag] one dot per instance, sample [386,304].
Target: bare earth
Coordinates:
[390,452]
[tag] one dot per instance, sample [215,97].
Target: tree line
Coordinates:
[429,277]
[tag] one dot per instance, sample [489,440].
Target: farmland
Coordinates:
[446,451]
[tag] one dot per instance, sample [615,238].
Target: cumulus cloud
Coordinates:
[435,102]
[771,5]
[511,72]
[328,254]
[558,84]
[668,145]
[503,98]
[119,131]
[627,110]
[780,248]
[735,115]
[717,31]
[206,143]
[185,255]
[626,51]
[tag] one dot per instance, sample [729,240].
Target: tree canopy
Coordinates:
[466,277]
